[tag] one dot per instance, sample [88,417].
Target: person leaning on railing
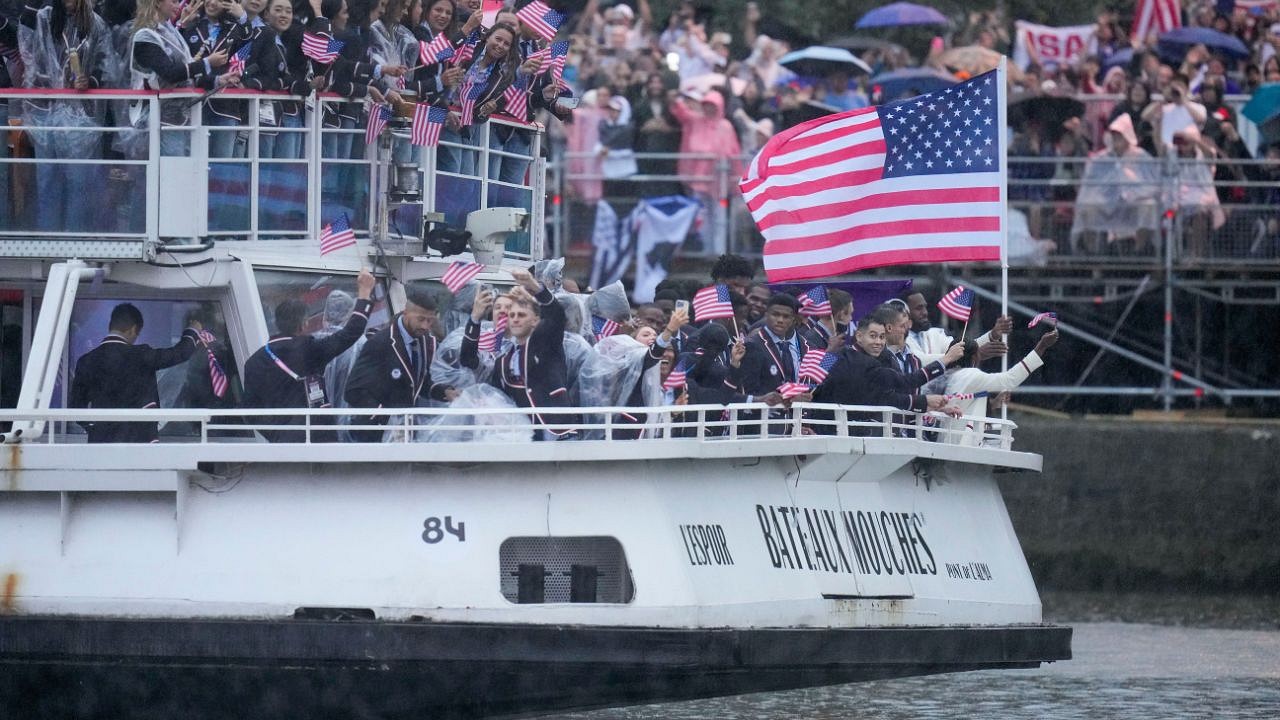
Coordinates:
[64,46]
[161,60]
[859,378]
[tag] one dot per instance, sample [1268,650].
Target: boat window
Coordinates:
[328,298]
[553,569]
[186,385]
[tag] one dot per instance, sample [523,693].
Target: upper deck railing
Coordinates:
[107,188]
[511,425]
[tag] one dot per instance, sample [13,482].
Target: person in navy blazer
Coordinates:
[532,372]
[119,373]
[393,369]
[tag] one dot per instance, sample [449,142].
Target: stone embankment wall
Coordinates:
[1148,506]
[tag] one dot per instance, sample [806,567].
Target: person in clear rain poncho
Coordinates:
[64,47]
[1119,191]
[623,372]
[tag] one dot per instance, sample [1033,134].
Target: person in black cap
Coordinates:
[288,372]
[119,373]
[393,369]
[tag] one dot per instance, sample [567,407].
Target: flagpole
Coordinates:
[1002,125]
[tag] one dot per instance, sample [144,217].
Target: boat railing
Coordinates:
[510,425]
[89,175]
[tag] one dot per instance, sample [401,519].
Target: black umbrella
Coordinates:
[1049,110]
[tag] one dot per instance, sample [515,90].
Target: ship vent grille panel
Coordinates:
[564,569]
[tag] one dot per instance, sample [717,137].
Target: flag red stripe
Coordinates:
[878,230]
[879,202]
[979,253]
[832,182]
[821,160]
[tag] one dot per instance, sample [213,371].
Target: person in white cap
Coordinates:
[1118,193]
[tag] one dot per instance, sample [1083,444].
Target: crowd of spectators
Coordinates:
[678,101]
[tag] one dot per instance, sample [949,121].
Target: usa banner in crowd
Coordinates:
[920,180]
[1044,45]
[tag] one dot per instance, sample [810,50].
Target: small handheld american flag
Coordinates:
[438,50]
[965,396]
[469,94]
[712,302]
[379,116]
[816,364]
[789,390]
[468,48]
[217,377]
[490,339]
[1049,318]
[321,49]
[237,61]
[428,122]
[559,53]
[460,273]
[539,18]
[957,304]
[814,302]
[603,327]
[679,375]
[336,235]
[517,98]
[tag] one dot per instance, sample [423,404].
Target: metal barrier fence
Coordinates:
[704,423]
[81,171]
[1239,228]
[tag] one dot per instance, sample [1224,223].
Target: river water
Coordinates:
[1119,670]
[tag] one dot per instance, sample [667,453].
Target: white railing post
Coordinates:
[151,171]
[315,166]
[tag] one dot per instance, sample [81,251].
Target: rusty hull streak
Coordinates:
[14,466]
[10,592]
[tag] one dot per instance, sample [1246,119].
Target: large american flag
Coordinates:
[322,49]
[538,17]
[428,121]
[916,180]
[1155,16]
[336,235]
[712,302]
[459,273]
[437,50]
